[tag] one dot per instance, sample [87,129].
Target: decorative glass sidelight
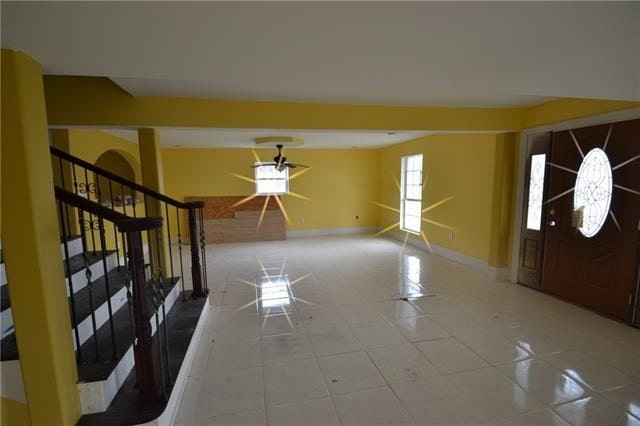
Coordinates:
[536,191]
[593,191]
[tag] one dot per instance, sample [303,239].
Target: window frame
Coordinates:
[404,171]
[257,180]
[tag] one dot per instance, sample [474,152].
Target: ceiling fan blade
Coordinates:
[263,164]
[298,165]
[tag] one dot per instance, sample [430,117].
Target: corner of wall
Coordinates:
[501,206]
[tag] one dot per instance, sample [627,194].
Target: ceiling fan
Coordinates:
[280,162]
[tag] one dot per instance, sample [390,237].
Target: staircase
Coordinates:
[134,319]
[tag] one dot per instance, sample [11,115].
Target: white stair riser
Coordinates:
[85,328]
[95,397]
[74,246]
[6,323]
[172,296]
[79,279]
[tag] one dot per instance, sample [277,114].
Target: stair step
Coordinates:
[79,281]
[116,278]
[6,317]
[74,245]
[117,298]
[125,409]
[90,370]
[77,267]
[77,262]
[99,381]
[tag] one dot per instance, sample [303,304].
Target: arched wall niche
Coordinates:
[120,163]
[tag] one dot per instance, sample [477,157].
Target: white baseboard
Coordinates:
[496,274]
[169,414]
[331,231]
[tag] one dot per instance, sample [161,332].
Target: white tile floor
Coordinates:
[307,331]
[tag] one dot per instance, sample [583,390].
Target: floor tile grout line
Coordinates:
[408,413]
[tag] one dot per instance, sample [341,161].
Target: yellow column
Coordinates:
[153,178]
[31,244]
[501,209]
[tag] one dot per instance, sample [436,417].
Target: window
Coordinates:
[411,194]
[592,194]
[270,181]
[536,191]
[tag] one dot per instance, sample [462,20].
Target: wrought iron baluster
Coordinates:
[66,210]
[115,232]
[134,202]
[123,200]
[127,283]
[165,324]
[103,253]
[184,298]
[98,193]
[168,219]
[74,316]
[88,274]
[156,298]
[75,179]
[203,250]
[87,188]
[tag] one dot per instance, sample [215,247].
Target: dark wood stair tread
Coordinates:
[116,279]
[91,370]
[77,262]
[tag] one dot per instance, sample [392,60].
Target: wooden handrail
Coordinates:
[123,223]
[75,160]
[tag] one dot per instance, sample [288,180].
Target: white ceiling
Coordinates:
[397,53]
[243,138]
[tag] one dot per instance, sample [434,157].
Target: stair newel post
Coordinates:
[145,349]
[194,241]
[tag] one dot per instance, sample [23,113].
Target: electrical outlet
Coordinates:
[451,235]
[302,221]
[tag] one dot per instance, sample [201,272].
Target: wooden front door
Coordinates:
[533,212]
[599,270]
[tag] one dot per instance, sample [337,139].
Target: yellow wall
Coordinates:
[89,145]
[459,165]
[568,109]
[13,413]
[342,183]
[67,106]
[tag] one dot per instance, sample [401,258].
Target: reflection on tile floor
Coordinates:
[310,331]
